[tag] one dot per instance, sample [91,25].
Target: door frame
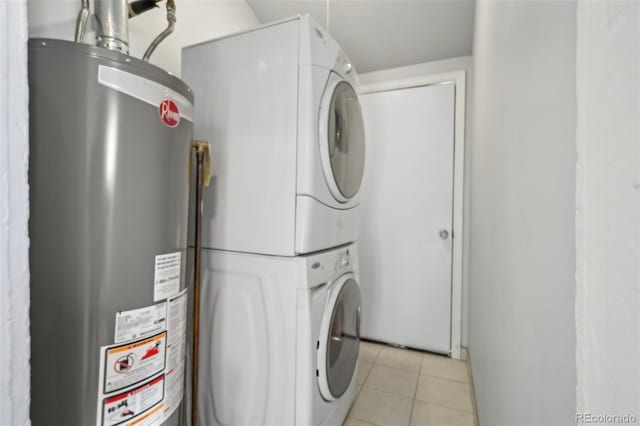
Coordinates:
[458,78]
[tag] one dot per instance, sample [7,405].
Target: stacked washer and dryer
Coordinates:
[280,325]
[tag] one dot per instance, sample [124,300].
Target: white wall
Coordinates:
[197,20]
[14,215]
[464,63]
[608,208]
[522,257]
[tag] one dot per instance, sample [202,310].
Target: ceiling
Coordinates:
[381,34]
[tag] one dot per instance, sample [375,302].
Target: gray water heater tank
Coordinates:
[109,182]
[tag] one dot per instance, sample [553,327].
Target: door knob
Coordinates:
[444,234]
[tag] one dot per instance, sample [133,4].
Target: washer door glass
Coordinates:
[346,139]
[344,339]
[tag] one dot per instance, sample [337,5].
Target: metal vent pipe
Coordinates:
[113,24]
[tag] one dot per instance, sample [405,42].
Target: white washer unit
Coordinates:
[280,338]
[279,107]
[328,339]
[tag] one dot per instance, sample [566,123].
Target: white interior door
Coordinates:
[406,216]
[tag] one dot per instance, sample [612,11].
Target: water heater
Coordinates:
[109,178]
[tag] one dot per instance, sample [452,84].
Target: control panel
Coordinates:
[329,265]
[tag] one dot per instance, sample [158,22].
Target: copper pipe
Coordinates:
[200,158]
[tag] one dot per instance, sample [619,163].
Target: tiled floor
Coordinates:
[401,387]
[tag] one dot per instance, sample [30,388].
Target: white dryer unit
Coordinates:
[279,338]
[279,107]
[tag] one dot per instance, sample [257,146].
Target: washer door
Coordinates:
[339,338]
[342,141]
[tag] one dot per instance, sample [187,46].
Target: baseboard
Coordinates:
[467,357]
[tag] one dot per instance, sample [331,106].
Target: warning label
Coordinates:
[143,322]
[166,281]
[134,362]
[135,406]
[141,380]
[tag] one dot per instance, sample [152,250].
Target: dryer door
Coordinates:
[341,136]
[339,338]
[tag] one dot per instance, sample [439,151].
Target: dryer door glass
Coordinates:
[346,139]
[344,339]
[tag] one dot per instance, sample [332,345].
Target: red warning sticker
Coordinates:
[134,362]
[137,406]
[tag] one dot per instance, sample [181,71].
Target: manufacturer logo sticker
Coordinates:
[169,113]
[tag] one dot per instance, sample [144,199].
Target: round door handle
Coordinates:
[444,234]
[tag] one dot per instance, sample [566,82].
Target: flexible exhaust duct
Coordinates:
[113,24]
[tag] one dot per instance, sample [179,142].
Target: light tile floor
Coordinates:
[402,387]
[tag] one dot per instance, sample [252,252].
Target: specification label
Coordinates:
[143,322]
[177,328]
[166,281]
